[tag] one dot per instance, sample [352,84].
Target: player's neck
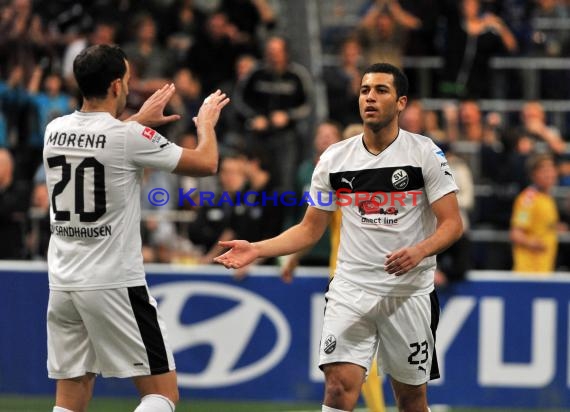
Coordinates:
[99,105]
[376,141]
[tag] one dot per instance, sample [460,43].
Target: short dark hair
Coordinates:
[400,79]
[96,67]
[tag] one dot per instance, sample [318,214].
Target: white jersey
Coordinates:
[385,201]
[94,166]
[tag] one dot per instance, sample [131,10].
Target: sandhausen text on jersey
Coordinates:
[80,140]
[81,232]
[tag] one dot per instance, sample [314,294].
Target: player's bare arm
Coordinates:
[151,113]
[449,229]
[301,236]
[203,160]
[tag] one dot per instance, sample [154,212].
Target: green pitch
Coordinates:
[45,404]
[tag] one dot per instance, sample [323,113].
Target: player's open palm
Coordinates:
[151,112]
[241,253]
[211,108]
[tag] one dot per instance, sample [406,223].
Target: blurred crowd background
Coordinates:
[490,83]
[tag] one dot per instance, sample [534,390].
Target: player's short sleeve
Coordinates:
[321,193]
[438,176]
[146,147]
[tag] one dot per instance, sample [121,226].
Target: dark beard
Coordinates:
[377,126]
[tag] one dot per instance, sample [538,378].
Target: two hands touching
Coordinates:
[151,113]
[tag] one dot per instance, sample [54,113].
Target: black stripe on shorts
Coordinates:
[147,321]
[434,372]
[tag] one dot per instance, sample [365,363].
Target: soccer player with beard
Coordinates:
[101,318]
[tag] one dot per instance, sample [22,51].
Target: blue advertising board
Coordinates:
[502,341]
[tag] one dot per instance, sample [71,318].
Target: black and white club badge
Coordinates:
[400,179]
[329,344]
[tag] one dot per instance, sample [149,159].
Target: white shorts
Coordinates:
[400,330]
[112,332]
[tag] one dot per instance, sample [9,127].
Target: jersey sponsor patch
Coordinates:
[148,133]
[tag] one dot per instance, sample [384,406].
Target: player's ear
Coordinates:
[402,102]
[116,87]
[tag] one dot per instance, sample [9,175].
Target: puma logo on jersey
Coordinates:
[348,182]
[447,173]
[421,368]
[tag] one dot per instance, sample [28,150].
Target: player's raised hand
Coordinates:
[241,253]
[151,113]
[211,108]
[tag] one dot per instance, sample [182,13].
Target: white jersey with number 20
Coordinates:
[94,165]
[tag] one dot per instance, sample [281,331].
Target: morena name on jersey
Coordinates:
[82,140]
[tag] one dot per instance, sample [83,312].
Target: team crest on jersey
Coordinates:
[150,134]
[329,345]
[400,179]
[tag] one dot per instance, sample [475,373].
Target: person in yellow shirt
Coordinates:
[534,221]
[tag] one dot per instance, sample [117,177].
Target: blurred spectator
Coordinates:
[421,40]
[187,99]
[185,23]
[22,37]
[251,19]
[534,222]
[519,147]
[517,14]
[217,219]
[47,104]
[533,121]
[383,32]
[343,83]
[258,219]
[415,119]
[274,99]
[212,57]
[472,39]
[14,202]
[433,127]
[467,123]
[547,40]
[150,62]
[15,108]
[3,122]
[262,221]
[352,130]
[454,262]
[37,240]
[231,126]
[103,32]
